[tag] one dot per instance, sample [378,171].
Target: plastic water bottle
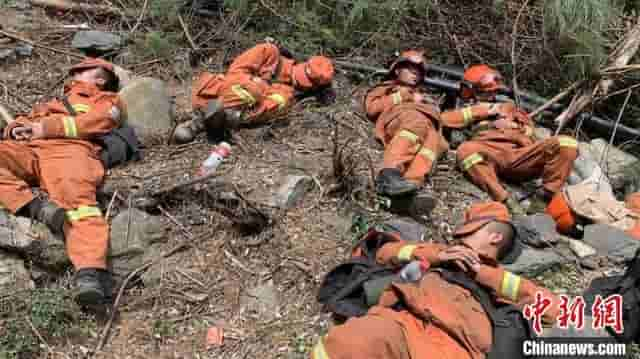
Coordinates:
[219,153]
[413,271]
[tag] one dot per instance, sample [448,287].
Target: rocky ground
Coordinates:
[259,287]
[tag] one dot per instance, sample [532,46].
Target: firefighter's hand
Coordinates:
[418,97]
[21,133]
[505,123]
[463,257]
[37,131]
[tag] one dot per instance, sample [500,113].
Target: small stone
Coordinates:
[95,42]
[24,50]
[533,262]
[543,225]
[293,190]
[149,106]
[591,263]
[610,241]
[581,249]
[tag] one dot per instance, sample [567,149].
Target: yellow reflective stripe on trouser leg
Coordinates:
[70,129]
[566,141]
[279,99]
[81,108]
[510,286]
[83,212]
[427,153]
[319,352]
[406,252]
[244,95]
[471,161]
[467,115]
[396,97]
[408,135]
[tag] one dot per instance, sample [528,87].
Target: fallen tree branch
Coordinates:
[622,55]
[70,6]
[35,44]
[556,99]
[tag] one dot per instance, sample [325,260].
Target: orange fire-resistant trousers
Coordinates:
[69,171]
[414,145]
[485,161]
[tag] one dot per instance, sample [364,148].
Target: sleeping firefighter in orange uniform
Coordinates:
[52,148]
[444,313]
[259,85]
[408,123]
[502,144]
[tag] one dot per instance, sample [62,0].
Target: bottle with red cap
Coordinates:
[219,153]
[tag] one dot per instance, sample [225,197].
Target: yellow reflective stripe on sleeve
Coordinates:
[319,352]
[427,153]
[408,135]
[467,115]
[83,212]
[406,252]
[471,161]
[244,95]
[70,129]
[510,286]
[81,108]
[396,97]
[279,99]
[566,141]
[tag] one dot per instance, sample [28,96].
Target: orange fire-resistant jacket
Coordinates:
[264,61]
[519,128]
[451,322]
[97,113]
[387,101]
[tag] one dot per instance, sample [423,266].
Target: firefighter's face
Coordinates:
[409,74]
[93,76]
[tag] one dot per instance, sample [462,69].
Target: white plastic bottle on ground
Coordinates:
[413,271]
[219,153]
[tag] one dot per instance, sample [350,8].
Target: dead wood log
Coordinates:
[67,5]
[621,57]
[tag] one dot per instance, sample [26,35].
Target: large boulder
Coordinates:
[149,107]
[615,161]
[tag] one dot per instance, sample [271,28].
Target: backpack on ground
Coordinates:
[628,286]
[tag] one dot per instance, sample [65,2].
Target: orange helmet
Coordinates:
[318,71]
[481,78]
[561,213]
[415,57]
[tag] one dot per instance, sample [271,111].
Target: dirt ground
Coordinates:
[203,286]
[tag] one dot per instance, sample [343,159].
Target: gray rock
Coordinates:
[532,262]
[616,161]
[8,54]
[127,254]
[581,249]
[541,223]
[610,241]
[13,274]
[293,191]
[261,301]
[93,41]
[149,106]
[409,229]
[24,50]
[32,239]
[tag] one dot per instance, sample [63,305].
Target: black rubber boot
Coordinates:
[92,287]
[45,212]
[188,130]
[391,183]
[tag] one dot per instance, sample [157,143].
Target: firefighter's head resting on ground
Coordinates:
[96,72]
[315,73]
[482,83]
[409,68]
[488,231]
